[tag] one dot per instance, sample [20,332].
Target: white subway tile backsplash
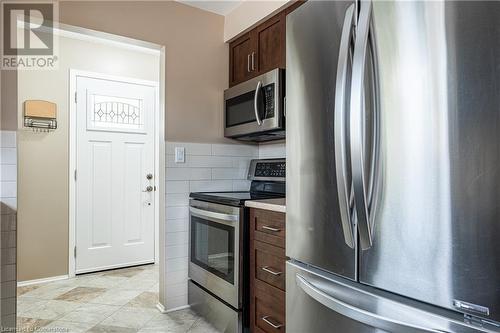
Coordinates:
[8,256]
[272,150]
[177,213]
[225,173]
[177,238]
[8,289]
[191,148]
[8,189]
[242,162]
[170,162]
[200,174]
[207,168]
[8,172]
[174,186]
[8,156]
[11,202]
[175,277]
[177,264]
[177,290]
[178,174]
[177,199]
[241,185]
[176,225]
[210,185]
[176,251]
[7,139]
[8,272]
[235,150]
[211,161]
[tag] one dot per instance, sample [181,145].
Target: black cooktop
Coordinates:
[233,198]
[268,181]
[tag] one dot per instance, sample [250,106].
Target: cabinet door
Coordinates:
[239,60]
[270,44]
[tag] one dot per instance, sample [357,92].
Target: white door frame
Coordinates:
[159,116]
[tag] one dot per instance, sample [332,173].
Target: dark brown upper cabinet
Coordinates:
[259,50]
[270,44]
[240,59]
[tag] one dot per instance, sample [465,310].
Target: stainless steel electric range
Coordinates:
[219,247]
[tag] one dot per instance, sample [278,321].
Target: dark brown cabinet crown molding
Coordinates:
[261,49]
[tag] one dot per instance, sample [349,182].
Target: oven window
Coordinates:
[212,247]
[240,110]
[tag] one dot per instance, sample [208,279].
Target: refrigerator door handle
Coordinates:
[363,196]
[359,314]
[343,187]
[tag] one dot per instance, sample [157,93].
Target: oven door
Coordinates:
[214,251]
[255,105]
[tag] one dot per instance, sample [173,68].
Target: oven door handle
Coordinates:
[213,215]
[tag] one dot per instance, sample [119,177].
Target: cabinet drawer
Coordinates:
[268,227]
[269,308]
[270,264]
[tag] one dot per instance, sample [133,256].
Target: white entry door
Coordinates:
[114,173]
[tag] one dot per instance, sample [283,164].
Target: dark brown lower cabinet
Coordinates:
[267,271]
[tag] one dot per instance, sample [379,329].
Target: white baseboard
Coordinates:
[177,308]
[44,280]
[161,308]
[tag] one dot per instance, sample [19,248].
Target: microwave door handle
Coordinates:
[255,101]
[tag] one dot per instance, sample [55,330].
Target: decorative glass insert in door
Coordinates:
[111,113]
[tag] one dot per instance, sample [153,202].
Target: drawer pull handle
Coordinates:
[270,228]
[270,323]
[270,271]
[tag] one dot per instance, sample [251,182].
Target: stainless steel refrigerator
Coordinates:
[393,167]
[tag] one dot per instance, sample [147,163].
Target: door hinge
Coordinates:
[75,97]
[74,252]
[74,175]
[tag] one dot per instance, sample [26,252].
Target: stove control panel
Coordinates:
[275,169]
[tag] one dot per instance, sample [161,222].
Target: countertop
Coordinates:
[275,205]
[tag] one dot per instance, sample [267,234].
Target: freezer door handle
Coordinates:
[340,123]
[361,315]
[364,192]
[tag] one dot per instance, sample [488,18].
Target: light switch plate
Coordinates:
[180,154]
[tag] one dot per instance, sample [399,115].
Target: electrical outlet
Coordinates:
[180,154]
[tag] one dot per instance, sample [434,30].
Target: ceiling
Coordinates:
[221,7]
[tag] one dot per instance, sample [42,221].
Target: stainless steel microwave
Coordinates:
[254,110]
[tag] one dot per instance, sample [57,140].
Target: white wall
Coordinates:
[207,167]
[44,157]
[8,239]
[248,13]
[8,164]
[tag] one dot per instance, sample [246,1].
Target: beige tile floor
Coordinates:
[122,300]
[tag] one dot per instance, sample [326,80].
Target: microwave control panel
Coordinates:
[270,169]
[268,92]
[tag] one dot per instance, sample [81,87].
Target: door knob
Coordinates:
[149,176]
[149,189]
